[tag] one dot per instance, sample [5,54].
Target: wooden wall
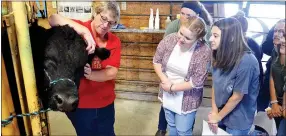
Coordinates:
[50,8]
[137,14]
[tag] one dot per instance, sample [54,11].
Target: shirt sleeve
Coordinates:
[115,55]
[78,21]
[243,78]
[160,51]
[172,28]
[197,79]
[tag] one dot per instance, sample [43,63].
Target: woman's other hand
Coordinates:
[276,110]
[214,118]
[269,113]
[166,86]
[87,71]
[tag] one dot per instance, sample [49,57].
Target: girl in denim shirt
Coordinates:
[235,79]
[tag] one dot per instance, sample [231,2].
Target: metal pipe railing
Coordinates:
[23,38]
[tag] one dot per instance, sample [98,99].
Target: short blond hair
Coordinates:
[108,5]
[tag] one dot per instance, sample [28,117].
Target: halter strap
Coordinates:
[53,82]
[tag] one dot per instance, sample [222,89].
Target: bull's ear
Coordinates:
[102,53]
[69,32]
[90,58]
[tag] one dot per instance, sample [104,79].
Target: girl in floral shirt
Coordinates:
[181,62]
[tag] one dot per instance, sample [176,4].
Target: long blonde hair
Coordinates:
[196,24]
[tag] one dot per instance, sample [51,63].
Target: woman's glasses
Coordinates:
[104,20]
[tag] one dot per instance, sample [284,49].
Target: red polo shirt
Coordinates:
[94,94]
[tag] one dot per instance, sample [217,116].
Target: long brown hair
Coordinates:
[232,45]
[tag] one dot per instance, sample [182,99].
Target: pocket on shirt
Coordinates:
[229,87]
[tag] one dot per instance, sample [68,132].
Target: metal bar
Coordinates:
[7,103]
[17,70]
[21,25]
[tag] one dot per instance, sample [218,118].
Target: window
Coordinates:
[230,9]
[262,17]
[260,21]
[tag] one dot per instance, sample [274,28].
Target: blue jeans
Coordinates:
[236,132]
[282,128]
[180,124]
[233,131]
[93,122]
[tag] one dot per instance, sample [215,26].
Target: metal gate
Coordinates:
[35,122]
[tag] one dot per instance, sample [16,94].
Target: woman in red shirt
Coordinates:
[95,114]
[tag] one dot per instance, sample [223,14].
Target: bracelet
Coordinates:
[272,102]
[171,87]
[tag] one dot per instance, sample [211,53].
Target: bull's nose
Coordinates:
[65,103]
[59,100]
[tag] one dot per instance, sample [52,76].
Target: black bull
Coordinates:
[59,56]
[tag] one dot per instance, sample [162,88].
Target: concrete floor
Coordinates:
[132,118]
[141,118]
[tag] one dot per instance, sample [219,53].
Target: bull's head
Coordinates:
[64,59]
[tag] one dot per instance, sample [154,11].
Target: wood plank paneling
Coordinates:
[134,37]
[143,8]
[138,49]
[137,86]
[140,21]
[176,9]
[50,9]
[137,75]
[136,62]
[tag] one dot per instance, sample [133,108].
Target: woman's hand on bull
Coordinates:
[87,71]
[89,41]
[87,36]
